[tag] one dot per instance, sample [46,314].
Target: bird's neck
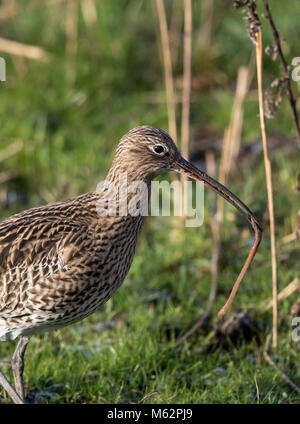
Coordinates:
[126,191]
[130,170]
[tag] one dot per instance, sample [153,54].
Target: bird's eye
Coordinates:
[158,149]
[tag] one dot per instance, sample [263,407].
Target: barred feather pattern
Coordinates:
[59,263]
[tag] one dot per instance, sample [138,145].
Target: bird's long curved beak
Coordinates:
[184,167]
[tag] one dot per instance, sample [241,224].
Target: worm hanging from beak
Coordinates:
[184,167]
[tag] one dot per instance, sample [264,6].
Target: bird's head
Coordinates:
[146,151]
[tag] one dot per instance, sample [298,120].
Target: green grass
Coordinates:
[70,128]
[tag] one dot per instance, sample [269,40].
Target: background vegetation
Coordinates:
[60,123]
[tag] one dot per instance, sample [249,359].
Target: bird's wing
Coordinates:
[39,250]
[30,237]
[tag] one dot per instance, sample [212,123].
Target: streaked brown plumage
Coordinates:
[60,262]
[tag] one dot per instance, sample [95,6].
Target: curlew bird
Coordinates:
[60,262]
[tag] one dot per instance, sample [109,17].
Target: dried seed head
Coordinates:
[253,23]
[275,82]
[239,3]
[274,96]
[269,105]
[272,50]
[251,18]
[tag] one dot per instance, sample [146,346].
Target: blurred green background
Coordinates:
[61,119]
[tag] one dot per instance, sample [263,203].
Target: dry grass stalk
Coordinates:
[187,81]
[207,15]
[9,389]
[259,49]
[286,292]
[72,28]
[11,150]
[89,11]
[276,368]
[175,30]
[24,50]
[232,136]
[257,390]
[236,125]
[291,237]
[166,52]
[147,396]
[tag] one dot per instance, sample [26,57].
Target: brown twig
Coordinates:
[169,82]
[187,81]
[192,330]
[286,292]
[24,50]
[285,68]
[257,390]
[268,170]
[9,389]
[147,397]
[276,368]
